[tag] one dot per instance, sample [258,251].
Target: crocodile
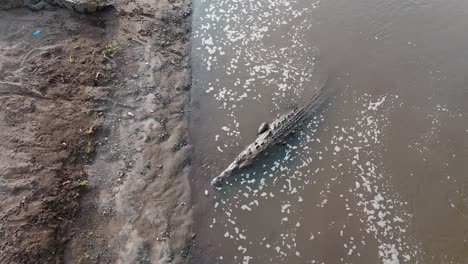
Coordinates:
[81,6]
[272,134]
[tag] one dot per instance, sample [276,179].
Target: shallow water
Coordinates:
[379,175]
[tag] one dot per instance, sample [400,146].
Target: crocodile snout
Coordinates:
[217,181]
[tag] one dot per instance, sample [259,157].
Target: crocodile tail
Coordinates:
[302,112]
[322,94]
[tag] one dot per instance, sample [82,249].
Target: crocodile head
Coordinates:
[217,181]
[241,162]
[247,156]
[233,168]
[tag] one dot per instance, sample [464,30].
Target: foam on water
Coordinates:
[236,32]
[377,206]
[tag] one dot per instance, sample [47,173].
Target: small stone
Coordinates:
[148,164]
[135,76]
[206,192]
[130,114]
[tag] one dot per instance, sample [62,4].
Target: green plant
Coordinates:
[83,257]
[82,183]
[96,122]
[70,59]
[110,49]
[89,147]
[88,90]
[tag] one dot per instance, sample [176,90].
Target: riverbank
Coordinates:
[95,119]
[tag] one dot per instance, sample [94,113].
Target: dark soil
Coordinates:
[49,117]
[94,159]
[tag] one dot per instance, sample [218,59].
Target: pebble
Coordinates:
[206,192]
[130,114]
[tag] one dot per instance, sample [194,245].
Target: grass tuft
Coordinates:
[110,49]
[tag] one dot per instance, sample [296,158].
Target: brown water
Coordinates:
[380,175]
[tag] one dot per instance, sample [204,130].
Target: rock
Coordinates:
[9,4]
[147,28]
[80,6]
[130,114]
[72,28]
[83,6]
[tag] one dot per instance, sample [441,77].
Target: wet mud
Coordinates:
[95,160]
[137,208]
[49,117]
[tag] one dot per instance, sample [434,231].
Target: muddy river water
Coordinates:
[378,175]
